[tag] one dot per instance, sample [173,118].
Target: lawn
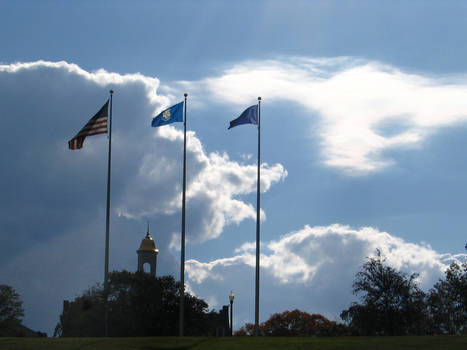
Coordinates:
[235,343]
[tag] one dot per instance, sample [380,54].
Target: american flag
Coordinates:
[96,125]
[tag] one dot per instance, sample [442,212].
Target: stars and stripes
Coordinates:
[96,125]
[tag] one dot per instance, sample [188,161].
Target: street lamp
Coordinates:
[231,298]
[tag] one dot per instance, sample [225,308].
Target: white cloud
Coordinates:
[312,268]
[356,101]
[213,183]
[100,77]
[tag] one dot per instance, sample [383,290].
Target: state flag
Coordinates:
[249,116]
[169,115]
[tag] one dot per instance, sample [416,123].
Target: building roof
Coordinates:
[148,245]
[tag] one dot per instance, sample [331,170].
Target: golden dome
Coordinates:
[148,245]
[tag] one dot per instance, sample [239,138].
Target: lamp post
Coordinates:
[231,298]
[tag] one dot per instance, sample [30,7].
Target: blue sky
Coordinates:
[363,139]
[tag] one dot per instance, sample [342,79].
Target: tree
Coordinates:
[392,303]
[11,310]
[84,316]
[300,324]
[247,330]
[447,301]
[139,305]
[295,323]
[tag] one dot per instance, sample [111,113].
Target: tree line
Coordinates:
[139,305]
[389,303]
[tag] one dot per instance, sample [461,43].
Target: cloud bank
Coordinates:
[53,200]
[214,183]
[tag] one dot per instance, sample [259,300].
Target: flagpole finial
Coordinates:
[259,98]
[185,94]
[111,92]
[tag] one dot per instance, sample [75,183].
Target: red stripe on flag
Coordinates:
[96,125]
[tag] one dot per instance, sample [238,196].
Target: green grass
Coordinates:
[235,343]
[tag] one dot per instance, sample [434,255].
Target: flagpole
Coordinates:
[182,259]
[107,223]
[258,208]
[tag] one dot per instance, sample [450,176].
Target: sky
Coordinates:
[364,124]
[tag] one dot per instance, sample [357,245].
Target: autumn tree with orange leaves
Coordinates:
[296,323]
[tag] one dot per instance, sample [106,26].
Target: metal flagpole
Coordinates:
[258,207]
[182,259]
[106,273]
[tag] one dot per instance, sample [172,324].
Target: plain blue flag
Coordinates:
[168,116]
[249,116]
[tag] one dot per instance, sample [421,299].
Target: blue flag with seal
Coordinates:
[249,116]
[168,116]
